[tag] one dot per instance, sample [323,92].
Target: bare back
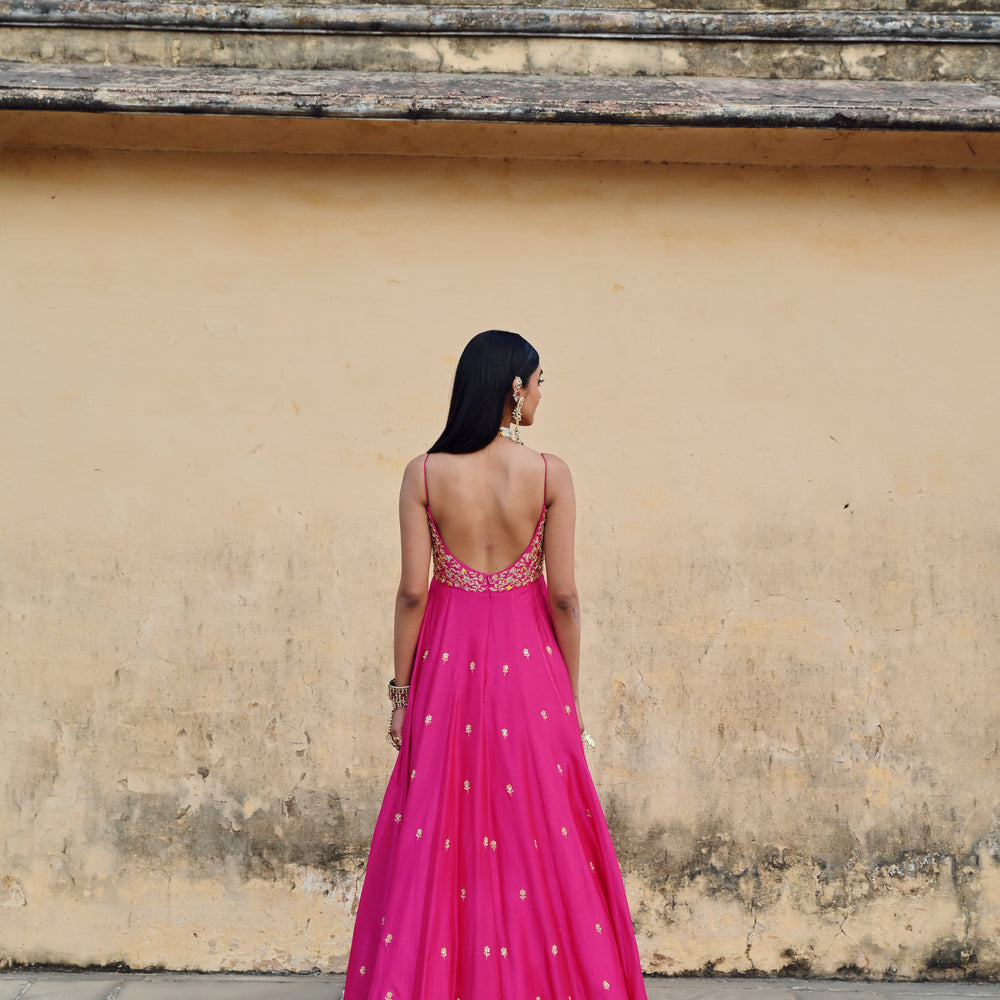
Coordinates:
[487,504]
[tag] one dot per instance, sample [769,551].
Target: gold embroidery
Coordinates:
[526,569]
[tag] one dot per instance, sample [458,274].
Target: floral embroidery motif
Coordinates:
[598,928]
[486,841]
[505,668]
[413,774]
[444,657]
[510,789]
[427,719]
[388,939]
[526,569]
[363,969]
[503,952]
[486,951]
[563,832]
[447,843]
[548,649]
[472,666]
[493,845]
[523,894]
[545,714]
[398,817]
[462,894]
[606,985]
[420,832]
[427,653]
[527,655]
[467,784]
[468,729]
[503,733]
[555,950]
[444,952]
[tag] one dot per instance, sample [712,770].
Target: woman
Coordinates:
[492,875]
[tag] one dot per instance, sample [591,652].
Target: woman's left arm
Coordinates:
[411,597]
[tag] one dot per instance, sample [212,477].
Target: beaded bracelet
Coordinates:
[399,694]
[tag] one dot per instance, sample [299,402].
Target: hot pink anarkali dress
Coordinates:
[492,875]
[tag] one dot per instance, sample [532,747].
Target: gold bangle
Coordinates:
[399,694]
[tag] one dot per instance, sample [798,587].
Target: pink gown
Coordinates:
[492,875]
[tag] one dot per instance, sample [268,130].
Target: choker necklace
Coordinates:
[510,435]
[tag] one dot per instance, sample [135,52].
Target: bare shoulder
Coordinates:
[560,479]
[413,479]
[557,467]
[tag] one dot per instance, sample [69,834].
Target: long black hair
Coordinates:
[483,380]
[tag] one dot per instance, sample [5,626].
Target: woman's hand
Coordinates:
[396,727]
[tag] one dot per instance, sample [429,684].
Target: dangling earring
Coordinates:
[517,409]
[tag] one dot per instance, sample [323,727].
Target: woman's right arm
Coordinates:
[411,597]
[560,575]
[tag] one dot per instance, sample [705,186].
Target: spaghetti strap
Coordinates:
[545,481]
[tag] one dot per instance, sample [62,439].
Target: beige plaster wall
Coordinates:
[777,390]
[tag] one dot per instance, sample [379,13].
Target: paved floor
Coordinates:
[137,986]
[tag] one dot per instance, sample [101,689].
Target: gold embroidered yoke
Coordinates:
[452,572]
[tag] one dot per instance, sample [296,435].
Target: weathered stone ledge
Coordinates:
[504,20]
[690,101]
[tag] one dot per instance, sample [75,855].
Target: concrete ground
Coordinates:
[167,986]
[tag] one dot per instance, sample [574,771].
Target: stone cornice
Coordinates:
[508,21]
[469,97]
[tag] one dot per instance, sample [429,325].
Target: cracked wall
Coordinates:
[776,388]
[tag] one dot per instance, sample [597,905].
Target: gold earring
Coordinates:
[517,409]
